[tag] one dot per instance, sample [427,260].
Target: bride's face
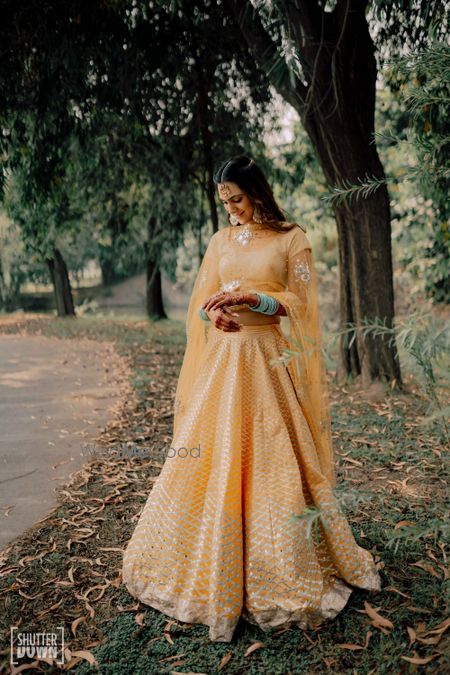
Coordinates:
[236,202]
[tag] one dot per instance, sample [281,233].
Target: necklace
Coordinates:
[247,232]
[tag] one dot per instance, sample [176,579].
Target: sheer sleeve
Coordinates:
[299,272]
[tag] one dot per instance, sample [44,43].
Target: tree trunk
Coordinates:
[107,267]
[206,135]
[61,284]
[366,274]
[337,109]
[154,299]
[340,123]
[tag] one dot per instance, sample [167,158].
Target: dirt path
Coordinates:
[55,397]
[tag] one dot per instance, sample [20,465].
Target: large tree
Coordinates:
[70,70]
[321,58]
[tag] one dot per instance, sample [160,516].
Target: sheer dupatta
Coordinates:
[206,283]
[304,356]
[307,365]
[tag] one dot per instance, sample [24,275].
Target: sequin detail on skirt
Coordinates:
[216,539]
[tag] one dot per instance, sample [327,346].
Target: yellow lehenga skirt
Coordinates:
[217,538]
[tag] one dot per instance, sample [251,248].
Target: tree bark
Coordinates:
[337,108]
[206,135]
[61,284]
[154,299]
[107,268]
[364,234]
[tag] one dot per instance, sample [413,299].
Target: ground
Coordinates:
[392,481]
[55,397]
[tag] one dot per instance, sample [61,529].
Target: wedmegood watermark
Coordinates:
[128,451]
[33,645]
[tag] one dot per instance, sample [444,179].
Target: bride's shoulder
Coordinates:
[222,231]
[218,234]
[297,237]
[296,230]
[223,234]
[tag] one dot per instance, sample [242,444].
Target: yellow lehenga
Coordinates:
[217,538]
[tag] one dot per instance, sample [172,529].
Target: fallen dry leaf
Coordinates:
[87,656]
[403,523]
[76,623]
[224,660]
[392,589]
[440,628]
[419,660]
[426,567]
[378,620]
[412,634]
[356,647]
[72,663]
[253,648]
[139,618]
[40,615]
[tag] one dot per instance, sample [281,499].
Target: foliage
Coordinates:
[14,264]
[428,100]
[427,344]
[41,214]
[101,137]
[435,527]
[423,80]
[393,28]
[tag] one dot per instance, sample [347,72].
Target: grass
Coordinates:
[66,570]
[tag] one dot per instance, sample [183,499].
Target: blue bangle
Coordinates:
[266,305]
[203,314]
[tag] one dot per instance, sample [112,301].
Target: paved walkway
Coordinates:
[55,398]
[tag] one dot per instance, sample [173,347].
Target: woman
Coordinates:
[219,537]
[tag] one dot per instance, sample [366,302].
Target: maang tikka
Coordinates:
[224,190]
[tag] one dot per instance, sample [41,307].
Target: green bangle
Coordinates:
[203,314]
[266,305]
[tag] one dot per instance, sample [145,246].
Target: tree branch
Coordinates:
[266,52]
[308,14]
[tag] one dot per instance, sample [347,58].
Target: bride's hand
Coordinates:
[222,318]
[226,298]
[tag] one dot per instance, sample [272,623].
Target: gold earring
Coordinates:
[233,220]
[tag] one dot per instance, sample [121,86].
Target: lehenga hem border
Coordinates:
[222,630]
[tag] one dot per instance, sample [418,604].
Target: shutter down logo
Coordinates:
[35,645]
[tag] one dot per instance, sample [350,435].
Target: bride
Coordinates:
[219,537]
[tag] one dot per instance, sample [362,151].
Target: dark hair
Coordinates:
[244,171]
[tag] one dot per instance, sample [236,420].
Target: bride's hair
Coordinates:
[244,171]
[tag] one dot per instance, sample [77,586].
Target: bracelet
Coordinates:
[203,314]
[266,304]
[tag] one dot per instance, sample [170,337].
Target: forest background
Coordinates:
[113,118]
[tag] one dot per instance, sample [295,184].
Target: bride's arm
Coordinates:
[281,310]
